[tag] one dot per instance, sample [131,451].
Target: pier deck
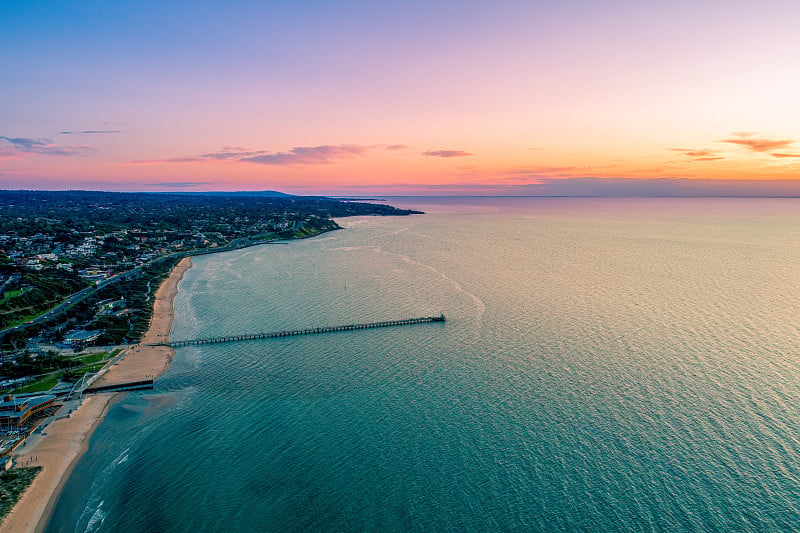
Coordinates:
[295,332]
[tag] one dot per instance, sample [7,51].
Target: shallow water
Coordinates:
[627,365]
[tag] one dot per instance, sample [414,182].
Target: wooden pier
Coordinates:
[295,332]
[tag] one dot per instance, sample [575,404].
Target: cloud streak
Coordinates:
[299,155]
[309,155]
[537,172]
[446,153]
[88,132]
[178,184]
[699,155]
[19,146]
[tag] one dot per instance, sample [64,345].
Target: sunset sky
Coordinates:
[395,98]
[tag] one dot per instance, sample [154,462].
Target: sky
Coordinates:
[353,98]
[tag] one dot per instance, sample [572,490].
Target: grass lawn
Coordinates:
[94,358]
[41,384]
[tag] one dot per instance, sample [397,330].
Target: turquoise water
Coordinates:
[606,365]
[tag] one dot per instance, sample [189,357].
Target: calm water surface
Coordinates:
[606,365]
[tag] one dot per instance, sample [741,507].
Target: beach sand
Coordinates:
[67,438]
[142,362]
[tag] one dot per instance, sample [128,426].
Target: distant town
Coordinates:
[78,272]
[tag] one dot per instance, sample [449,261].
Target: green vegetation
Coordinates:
[10,295]
[78,366]
[41,291]
[27,365]
[13,483]
[74,374]
[95,357]
[302,233]
[41,384]
[139,294]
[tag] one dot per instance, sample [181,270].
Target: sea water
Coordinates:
[606,365]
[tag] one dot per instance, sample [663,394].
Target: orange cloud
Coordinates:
[757,144]
[699,155]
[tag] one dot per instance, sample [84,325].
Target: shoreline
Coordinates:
[66,439]
[83,437]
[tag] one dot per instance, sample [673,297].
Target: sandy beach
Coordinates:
[65,439]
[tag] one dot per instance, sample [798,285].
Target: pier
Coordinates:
[295,332]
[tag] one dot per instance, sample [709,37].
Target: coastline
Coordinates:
[66,439]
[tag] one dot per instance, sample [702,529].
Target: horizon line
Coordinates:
[382,196]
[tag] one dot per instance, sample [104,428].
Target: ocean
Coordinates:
[606,365]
